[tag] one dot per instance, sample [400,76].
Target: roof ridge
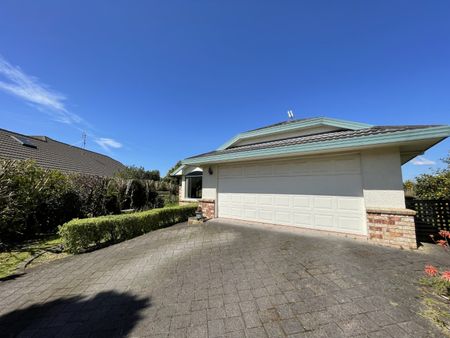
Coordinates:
[284,122]
[37,138]
[83,149]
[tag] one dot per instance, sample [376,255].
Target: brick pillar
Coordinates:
[392,227]
[208,208]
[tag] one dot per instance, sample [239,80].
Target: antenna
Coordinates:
[290,115]
[83,138]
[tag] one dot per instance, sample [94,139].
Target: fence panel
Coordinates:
[432,216]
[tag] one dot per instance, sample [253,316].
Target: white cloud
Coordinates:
[16,82]
[108,143]
[420,160]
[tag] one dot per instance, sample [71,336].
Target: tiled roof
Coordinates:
[52,154]
[328,136]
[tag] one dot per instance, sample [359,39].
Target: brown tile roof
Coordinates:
[328,136]
[52,154]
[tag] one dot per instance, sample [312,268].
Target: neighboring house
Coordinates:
[319,173]
[51,154]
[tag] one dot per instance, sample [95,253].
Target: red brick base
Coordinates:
[208,208]
[392,227]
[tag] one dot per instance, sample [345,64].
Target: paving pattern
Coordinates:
[222,279]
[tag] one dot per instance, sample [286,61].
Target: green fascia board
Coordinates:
[293,126]
[357,142]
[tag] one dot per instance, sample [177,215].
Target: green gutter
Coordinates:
[395,137]
[294,126]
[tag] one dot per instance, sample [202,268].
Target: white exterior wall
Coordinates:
[183,187]
[209,183]
[382,179]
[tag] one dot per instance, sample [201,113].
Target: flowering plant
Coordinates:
[445,241]
[439,281]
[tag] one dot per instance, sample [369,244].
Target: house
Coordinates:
[52,154]
[318,173]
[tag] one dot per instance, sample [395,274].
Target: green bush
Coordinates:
[435,185]
[81,234]
[34,200]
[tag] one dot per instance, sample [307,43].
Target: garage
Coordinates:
[318,193]
[319,173]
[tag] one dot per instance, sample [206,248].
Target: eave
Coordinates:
[396,138]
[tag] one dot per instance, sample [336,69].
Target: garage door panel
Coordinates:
[236,198]
[302,219]
[283,217]
[323,203]
[323,194]
[265,215]
[301,202]
[251,214]
[282,201]
[322,220]
[250,199]
[265,200]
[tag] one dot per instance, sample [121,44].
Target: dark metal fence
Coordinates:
[432,216]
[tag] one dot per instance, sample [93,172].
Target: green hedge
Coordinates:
[81,234]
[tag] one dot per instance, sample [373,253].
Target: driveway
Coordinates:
[226,279]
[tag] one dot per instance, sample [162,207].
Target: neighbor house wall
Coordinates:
[382,178]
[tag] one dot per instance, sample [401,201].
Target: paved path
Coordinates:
[222,279]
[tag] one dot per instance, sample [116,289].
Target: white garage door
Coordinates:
[323,194]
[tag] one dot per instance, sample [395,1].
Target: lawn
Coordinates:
[11,260]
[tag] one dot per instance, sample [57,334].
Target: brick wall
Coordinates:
[208,208]
[392,227]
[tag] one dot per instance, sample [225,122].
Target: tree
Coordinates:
[169,178]
[138,173]
[435,185]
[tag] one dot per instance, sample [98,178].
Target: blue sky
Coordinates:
[152,82]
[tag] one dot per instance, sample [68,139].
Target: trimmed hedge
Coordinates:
[81,234]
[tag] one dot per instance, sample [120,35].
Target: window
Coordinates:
[194,184]
[24,141]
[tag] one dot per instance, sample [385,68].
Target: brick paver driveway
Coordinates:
[222,279]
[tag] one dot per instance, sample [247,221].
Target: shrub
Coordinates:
[138,173]
[435,185]
[81,234]
[32,199]
[437,280]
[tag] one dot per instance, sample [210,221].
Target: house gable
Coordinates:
[319,129]
[292,129]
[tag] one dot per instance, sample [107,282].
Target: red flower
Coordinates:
[442,242]
[444,233]
[446,276]
[432,271]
